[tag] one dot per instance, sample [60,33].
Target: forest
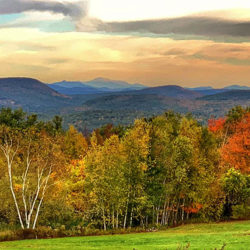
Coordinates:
[161,171]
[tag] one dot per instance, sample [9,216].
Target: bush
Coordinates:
[241,212]
[56,214]
[7,236]
[26,234]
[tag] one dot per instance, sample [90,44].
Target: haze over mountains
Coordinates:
[211,91]
[98,85]
[103,85]
[101,101]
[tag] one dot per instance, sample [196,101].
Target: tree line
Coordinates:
[161,171]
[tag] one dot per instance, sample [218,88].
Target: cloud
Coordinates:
[76,10]
[190,25]
[57,60]
[231,54]
[175,52]
[150,60]
[200,26]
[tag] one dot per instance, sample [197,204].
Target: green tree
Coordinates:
[136,148]
[237,189]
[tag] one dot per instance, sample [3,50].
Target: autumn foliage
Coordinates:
[194,208]
[236,152]
[235,138]
[166,170]
[216,125]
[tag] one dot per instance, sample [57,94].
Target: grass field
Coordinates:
[236,235]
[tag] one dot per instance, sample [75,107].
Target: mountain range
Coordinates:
[96,86]
[108,101]
[211,91]
[103,85]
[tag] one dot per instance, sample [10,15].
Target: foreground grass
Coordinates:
[236,235]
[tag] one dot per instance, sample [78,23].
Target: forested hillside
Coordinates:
[30,94]
[99,106]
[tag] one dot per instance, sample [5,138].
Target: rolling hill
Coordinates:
[208,90]
[173,91]
[229,95]
[211,91]
[123,108]
[30,94]
[92,110]
[139,102]
[237,87]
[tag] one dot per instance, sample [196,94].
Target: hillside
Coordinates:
[171,91]
[30,94]
[140,102]
[123,108]
[235,87]
[229,95]
[92,110]
[211,91]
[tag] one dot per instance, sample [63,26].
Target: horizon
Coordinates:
[131,83]
[185,43]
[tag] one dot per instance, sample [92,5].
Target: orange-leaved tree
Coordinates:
[234,134]
[236,152]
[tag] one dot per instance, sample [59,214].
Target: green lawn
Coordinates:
[236,235]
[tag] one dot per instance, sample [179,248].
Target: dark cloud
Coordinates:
[191,26]
[74,10]
[201,26]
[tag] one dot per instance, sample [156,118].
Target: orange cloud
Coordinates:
[153,61]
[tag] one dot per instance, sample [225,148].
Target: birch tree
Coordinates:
[32,159]
[104,182]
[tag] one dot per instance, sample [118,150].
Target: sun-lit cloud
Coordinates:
[153,42]
[131,10]
[150,60]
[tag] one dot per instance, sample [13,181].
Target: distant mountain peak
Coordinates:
[103,79]
[202,88]
[101,82]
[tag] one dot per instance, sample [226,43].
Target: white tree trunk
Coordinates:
[42,184]
[9,158]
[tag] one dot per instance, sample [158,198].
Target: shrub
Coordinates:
[7,235]
[26,234]
[241,211]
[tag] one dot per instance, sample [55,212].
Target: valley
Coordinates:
[89,107]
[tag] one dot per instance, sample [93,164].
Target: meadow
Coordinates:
[231,235]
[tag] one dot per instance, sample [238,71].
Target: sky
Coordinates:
[154,42]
